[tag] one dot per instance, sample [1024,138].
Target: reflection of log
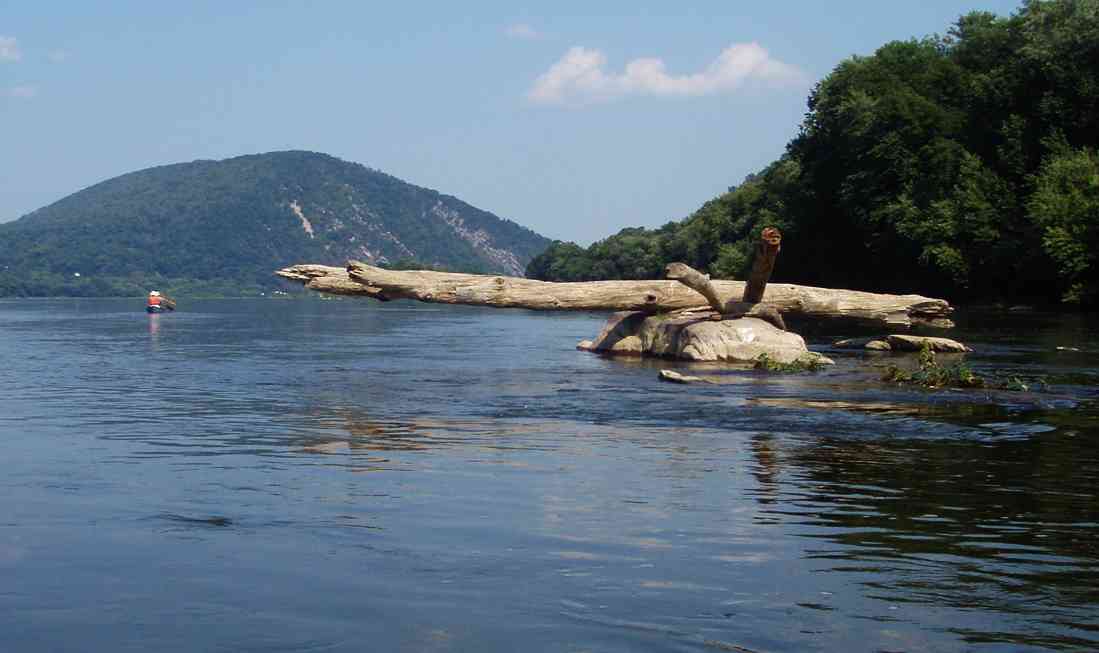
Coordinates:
[511,292]
[766,251]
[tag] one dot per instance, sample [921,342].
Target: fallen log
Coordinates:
[329,279]
[750,304]
[731,309]
[697,282]
[654,296]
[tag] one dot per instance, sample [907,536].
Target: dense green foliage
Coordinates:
[961,165]
[223,227]
[1065,204]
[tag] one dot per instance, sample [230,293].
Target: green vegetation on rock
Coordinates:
[932,374]
[224,227]
[962,165]
[808,363]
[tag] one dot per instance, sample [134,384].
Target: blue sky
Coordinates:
[575,119]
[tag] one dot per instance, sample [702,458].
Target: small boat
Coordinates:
[159,303]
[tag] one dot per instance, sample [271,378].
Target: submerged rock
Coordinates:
[903,342]
[876,342]
[697,337]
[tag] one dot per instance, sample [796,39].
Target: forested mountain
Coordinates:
[225,226]
[961,165]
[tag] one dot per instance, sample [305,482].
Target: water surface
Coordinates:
[264,475]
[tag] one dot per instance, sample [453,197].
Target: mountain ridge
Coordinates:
[234,221]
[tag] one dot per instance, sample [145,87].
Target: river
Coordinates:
[308,475]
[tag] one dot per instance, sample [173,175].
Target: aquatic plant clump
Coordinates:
[803,364]
[932,374]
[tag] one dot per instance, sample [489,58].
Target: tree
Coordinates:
[1065,205]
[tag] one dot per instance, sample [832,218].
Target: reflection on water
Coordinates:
[154,331]
[766,468]
[318,475]
[964,525]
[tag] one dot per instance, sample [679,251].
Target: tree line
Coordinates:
[962,165]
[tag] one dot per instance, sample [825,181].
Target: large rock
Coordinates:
[698,337]
[619,335]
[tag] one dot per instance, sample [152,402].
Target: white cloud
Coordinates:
[23,92]
[9,49]
[580,77]
[58,56]
[522,31]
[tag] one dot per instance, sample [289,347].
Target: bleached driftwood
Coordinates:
[792,301]
[725,309]
[697,282]
[329,279]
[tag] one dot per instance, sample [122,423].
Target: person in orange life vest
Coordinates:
[154,298]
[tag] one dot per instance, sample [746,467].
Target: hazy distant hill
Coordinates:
[225,226]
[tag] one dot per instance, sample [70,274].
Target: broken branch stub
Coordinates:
[701,283]
[770,242]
